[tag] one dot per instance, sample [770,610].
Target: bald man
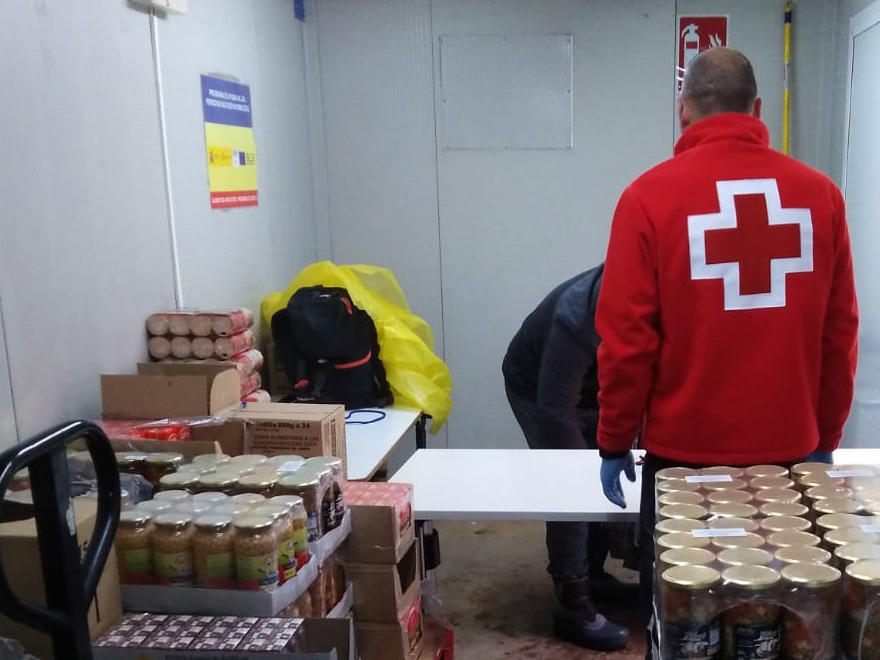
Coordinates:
[728,309]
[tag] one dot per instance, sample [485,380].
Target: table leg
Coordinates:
[421,434]
[429,543]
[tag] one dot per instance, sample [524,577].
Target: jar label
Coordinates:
[221,568]
[174,568]
[692,641]
[756,642]
[313,526]
[287,559]
[138,566]
[258,573]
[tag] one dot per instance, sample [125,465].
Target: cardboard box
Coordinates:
[401,640]
[382,522]
[294,428]
[167,389]
[20,556]
[325,639]
[382,590]
[279,383]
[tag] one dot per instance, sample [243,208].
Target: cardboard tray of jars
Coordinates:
[767,562]
[195,600]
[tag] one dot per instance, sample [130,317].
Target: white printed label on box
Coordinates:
[854,472]
[708,478]
[722,531]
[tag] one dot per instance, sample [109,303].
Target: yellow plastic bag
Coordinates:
[418,378]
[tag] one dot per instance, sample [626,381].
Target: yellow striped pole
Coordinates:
[786,75]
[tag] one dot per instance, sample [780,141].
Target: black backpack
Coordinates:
[330,349]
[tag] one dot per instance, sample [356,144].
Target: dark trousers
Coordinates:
[574,549]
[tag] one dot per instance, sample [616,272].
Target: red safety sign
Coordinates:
[696,34]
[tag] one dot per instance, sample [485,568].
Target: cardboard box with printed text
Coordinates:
[294,428]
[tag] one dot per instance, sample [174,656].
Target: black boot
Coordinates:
[576,620]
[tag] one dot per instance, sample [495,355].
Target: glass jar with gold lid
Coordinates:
[675,473]
[740,540]
[173,496]
[679,497]
[211,460]
[675,540]
[764,470]
[828,521]
[733,510]
[261,483]
[783,509]
[728,496]
[781,523]
[795,554]
[299,522]
[853,552]
[677,525]
[812,599]
[283,522]
[186,481]
[837,505]
[307,486]
[723,470]
[218,482]
[690,606]
[159,464]
[763,483]
[131,462]
[213,551]
[133,552]
[750,626]
[171,543]
[684,557]
[826,492]
[744,557]
[692,511]
[733,522]
[334,464]
[730,484]
[843,535]
[860,632]
[249,499]
[790,537]
[672,485]
[777,495]
[256,553]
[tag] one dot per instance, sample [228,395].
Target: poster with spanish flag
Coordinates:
[229,138]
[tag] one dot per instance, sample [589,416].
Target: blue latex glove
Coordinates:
[820,457]
[609,475]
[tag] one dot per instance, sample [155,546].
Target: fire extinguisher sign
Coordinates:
[696,34]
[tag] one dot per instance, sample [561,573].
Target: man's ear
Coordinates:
[756,108]
[684,114]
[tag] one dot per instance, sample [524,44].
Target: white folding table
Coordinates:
[527,484]
[372,434]
[523,484]
[512,484]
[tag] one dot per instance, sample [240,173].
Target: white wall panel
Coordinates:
[516,223]
[506,91]
[863,199]
[85,241]
[234,257]
[377,80]
[8,433]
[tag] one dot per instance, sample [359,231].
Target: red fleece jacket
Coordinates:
[728,310]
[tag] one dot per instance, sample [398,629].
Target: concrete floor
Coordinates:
[493,584]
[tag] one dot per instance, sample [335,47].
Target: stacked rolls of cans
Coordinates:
[209,336]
